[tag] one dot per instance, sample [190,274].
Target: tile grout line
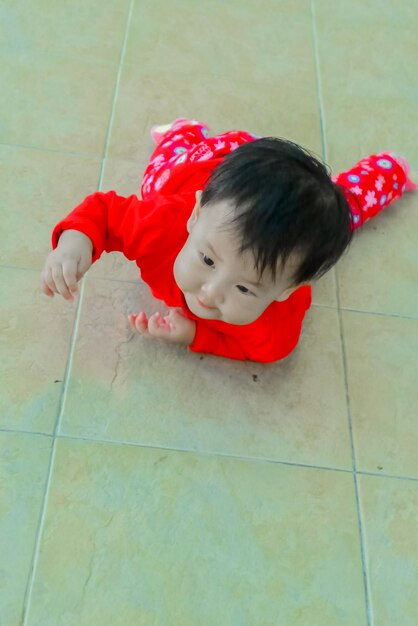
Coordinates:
[205,453]
[355,471]
[115,94]
[42,517]
[15,431]
[21,146]
[35,558]
[318,82]
[388,476]
[69,366]
[89,155]
[366,583]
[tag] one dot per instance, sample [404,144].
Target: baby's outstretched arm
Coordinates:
[102,222]
[67,264]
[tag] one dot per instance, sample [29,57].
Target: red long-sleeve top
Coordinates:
[152,233]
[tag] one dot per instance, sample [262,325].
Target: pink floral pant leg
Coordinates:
[189,143]
[373,183]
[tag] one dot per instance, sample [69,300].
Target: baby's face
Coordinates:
[219,282]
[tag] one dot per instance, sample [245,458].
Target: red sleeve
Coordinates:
[110,221]
[262,347]
[214,342]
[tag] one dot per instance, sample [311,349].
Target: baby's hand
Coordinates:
[66,265]
[174,327]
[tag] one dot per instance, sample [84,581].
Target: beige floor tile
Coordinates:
[115,267]
[152,537]
[55,102]
[369,92]
[368,78]
[82,28]
[324,290]
[379,274]
[201,40]
[23,469]
[125,177]
[34,341]
[133,389]
[150,96]
[158,537]
[38,189]
[382,354]
[390,510]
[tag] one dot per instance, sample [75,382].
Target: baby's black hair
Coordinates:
[284,201]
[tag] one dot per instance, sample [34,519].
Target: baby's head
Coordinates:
[268,221]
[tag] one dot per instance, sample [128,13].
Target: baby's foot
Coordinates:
[409,185]
[158,131]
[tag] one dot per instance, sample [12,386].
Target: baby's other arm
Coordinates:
[102,222]
[67,264]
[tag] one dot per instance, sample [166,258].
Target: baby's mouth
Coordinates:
[205,306]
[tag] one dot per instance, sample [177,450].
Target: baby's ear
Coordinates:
[285,294]
[288,292]
[195,213]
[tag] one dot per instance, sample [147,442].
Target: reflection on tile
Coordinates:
[192,36]
[239,105]
[34,341]
[125,177]
[133,389]
[49,186]
[390,510]
[382,354]
[380,272]
[324,290]
[369,91]
[159,537]
[368,81]
[115,266]
[23,469]
[55,102]
[80,28]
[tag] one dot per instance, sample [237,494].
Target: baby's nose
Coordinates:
[213,294]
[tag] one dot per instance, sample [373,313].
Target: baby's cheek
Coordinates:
[178,274]
[246,312]
[183,272]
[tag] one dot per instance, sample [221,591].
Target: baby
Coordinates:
[230,233]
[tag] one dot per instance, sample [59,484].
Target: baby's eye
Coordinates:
[243,289]
[207,260]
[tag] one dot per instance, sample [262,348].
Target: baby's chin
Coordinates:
[211,314]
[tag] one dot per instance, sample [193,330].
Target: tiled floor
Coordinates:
[142,485]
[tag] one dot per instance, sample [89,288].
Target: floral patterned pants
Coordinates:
[371,185]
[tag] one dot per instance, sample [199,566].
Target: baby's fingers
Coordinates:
[49,280]
[159,326]
[140,323]
[47,283]
[59,282]
[69,272]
